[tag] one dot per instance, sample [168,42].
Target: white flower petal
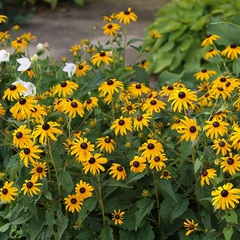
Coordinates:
[70,68]
[25,64]
[4,56]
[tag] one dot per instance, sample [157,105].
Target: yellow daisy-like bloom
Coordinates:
[38,112]
[166,174]
[30,73]
[110,28]
[126,16]
[110,87]
[212,53]
[83,189]
[68,145]
[207,175]
[204,74]
[215,128]
[101,57]
[204,86]
[31,186]
[14,92]
[19,44]
[157,161]
[231,51]
[129,108]
[151,148]
[225,196]
[93,164]
[82,68]
[235,137]
[117,171]
[75,48]
[72,108]
[29,153]
[231,163]
[28,36]
[2,110]
[46,131]
[106,144]
[189,129]
[39,169]
[22,136]
[206,100]
[167,90]
[140,121]
[121,125]
[190,226]
[183,98]
[221,146]
[4,36]
[218,91]
[138,164]
[82,149]
[209,40]
[138,89]
[144,64]
[3,18]
[73,203]
[90,103]
[7,192]
[65,88]
[154,33]
[117,217]
[152,105]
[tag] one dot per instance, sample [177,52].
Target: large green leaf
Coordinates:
[106,233]
[87,208]
[166,186]
[228,232]
[65,180]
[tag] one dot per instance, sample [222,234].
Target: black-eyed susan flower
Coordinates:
[19,44]
[129,108]
[182,99]
[90,103]
[215,128]
[154,33]
[106,144]
[143,64]
[221,146]
[110,86]
[82,68]
[209,40]
[204,74]
[3,18]
[153,105]
[101,57]
[165,174]
[138,164]
[22,136]
[4,36]
[31,186]
[231,51]
[73,203]
[38,112]
[14,92]
[28,36]
[190,226]
[117,217]
[218,91]
[46,131]
[126,16]
[230,163]
[117,171]
[204,86]
[207,175]
[235,137]
[29,153]
[65,88]
[138,89]
[166,90]
[176,123]
[111,28]
[82,149]
[151,148]
[189,129]
[212,53]
[121,125]
[75,48]
[225,197]
[83,189]
[73,108]
[93,164]
[158,161]
[140,121]
[8,192]
[2,110]
[39,169]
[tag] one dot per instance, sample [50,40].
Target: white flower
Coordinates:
[40,47]
[34,58]
[25,64]
[70,68]
[4,56]
[31,88]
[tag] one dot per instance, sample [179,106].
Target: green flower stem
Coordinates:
[124,44]
[157,200]
[100,200]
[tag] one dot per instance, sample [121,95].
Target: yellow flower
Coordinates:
[231,51]
[190,226]
[204,74]
[209,40]
[83,189]
[212,53]
[138,164]
[155,34]
[31,186]
[82,68]
[102,57]
[110,86]
[22,136]
[126,16]
[121,125]
[207,175]
[73,203]
[117,171]
[110,28]
[231,163]
[7,192]
[19,44]
[106,144]
[39,169]
[117,217]
[3,18]
[75,48]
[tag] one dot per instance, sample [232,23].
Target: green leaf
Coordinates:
[87,208]
[4,227]
[231,217]
[197,165]
[186,148]
[179,209]
[115,183]
[228,232]
[133,40]
[36,226]
[79,2]
[163,61]
[66,181]
[200,23]
[135,176]
[171,26]
[166,186]
[145,205]
[53,3]
[141,75]
[186,43]
[106,233]
[167,77]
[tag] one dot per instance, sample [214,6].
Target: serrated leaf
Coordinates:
[145,205]
[166,208]
[106,233]
[179,209]
[87,208]
[197,164]
[135,176]
[65,180]
[166,186]
[231,217]
[228,232]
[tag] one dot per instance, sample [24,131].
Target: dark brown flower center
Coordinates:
[82,190]
[223,79]
[63,84]
[153,102]
[80,67]
[45,126]
[126,12]
[157,159]
[216,124]
[73,200]
[74,104]
[109,82]
[4,191]
[102,54]
[12,87]
[206,95]
[120,168]
[233,45]
[170,87]
[136,164]
[191,227]
[192,129]
[139,118]
[230,161]
[19,135]
[19,40]
[181,95]
[129,107]
[83,145]
[117,216]
[211,50]
[29,185]
[121,122]
[92,160]
[107,140]
[138,86]
[224,193]
[204,70]
[165,173]
[22,101]
[109,26]
[150,146]
[221,144]
[227,84]
[26,150]
[204,173]
[89,101]
[220,89]
[208,36]
[39,169]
